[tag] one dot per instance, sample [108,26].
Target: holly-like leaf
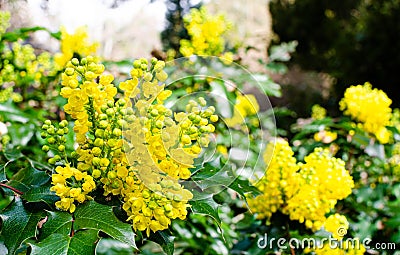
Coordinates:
[164,240]
[101,217]
[56,223]
[243,186]
[208,207]
[41,194]
[28,177]
[83,242]
[18,224]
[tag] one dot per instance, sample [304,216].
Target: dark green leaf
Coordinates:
[18,224]
[243,186]
[101,217]
[164,240]
[56,223]
[13,154]
[108,246]
[208,207]
[41,194]
[28,177]
[83,242]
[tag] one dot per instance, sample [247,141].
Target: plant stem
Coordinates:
[11,188]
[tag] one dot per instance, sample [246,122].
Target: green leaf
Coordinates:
[223,103]
[18,224]
[21,134]
[41,194]
[282,51]
[83,242]
[24,32]
[28,177]
[13,154]
[56,223]
[11,113]
[243,186]
[164,240]
[108,246]
[101,217]
[207,207]
[268,86]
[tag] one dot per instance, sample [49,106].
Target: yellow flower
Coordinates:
[246,105]
[369,106]
[74,43]
[318,112]
[207,34]
[337,224]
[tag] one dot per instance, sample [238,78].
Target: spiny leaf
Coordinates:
[208,207]
[83,242]
[56,223]
[101,217]
[243,186]
[164,240]
[28,177]
[18,224]
[41,194]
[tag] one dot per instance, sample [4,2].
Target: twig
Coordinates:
[11,188]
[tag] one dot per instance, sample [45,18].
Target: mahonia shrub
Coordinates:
[132,147]
[306,192]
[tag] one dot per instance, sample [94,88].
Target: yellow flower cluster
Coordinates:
[74,45]
[19,64]
[80,183]
[369,106]
[318,112]
[246,105]
[278,183]
[337,224]
[134,148]
[206,35]
[304,191]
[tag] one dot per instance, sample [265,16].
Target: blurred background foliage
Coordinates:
[352,41]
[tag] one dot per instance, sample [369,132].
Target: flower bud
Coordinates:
[103,124]
[98,142]
[75,61]
[96,173]
[111,175]
[104,162]
[69,71]
[99,133]
[61,148]
[51,140]
[214,118]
